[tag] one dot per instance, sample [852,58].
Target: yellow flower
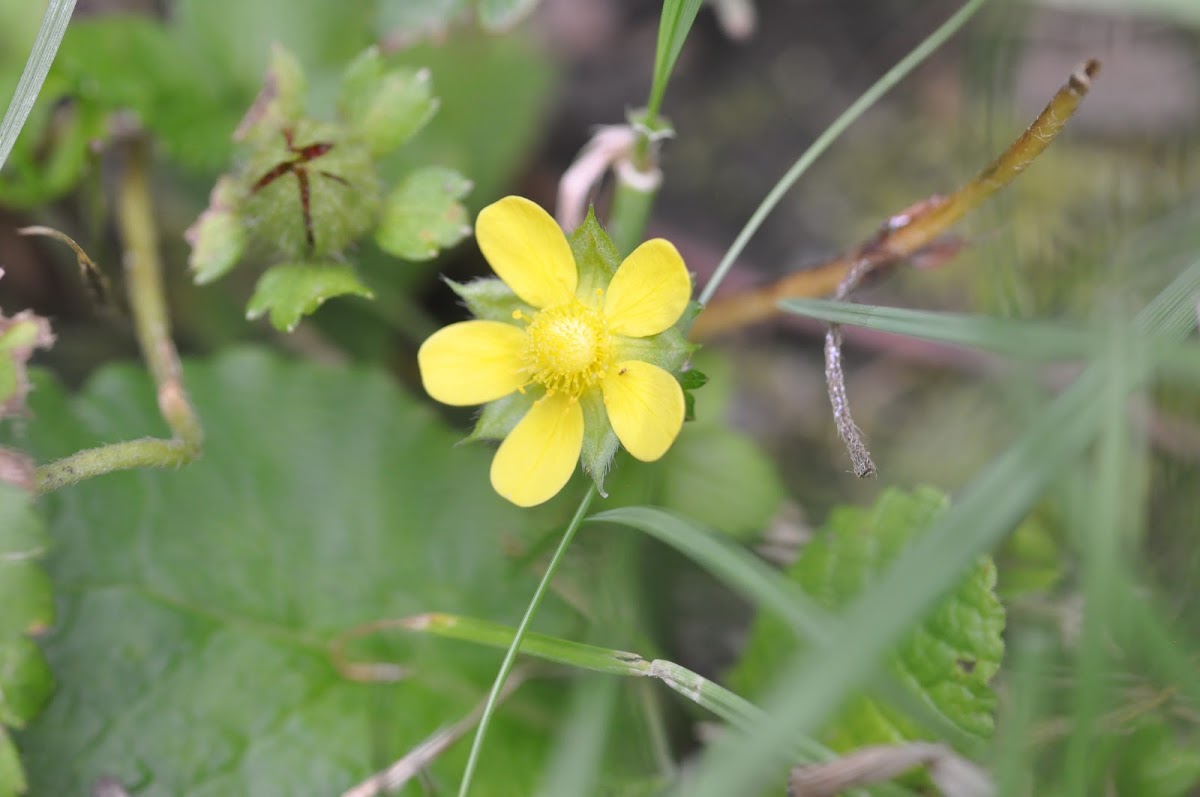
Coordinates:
[576,340]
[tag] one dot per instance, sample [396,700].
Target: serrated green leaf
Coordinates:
[422,215]
[293,290]
[498,16]
[25,594]
[946,662]
[385,108]
[197,606]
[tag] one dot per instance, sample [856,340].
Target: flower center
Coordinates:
[570,348]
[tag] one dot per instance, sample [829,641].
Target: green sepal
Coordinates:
[280,102]
[599,440]
[293,290]
[668,350]
[344,193]
[422,215]
[491,300]
[596,258]
[693,379]
[218,238]
[385,108]
[499,417]
[689,406]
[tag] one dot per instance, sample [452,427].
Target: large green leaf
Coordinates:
[946,662]
[196,605]
[28,608]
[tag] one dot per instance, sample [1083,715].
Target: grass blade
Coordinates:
[832,133]
[991,505]
[1034,340]
[45,47]
[673,29]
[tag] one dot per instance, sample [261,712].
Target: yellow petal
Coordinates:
[539,455]
[645,407]
[527,249]
[649,291]
[472,362]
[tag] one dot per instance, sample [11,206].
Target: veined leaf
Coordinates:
[197,606]
[946,661]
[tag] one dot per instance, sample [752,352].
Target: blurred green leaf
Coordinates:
[25,594]
[498,16]
[1031,560]
[946,661]
[422,215]
[715,473]
[197,605]
[218,237]
[294,290]
[19,336]
[386,108]
[501,88]
[1152,762]
[414,20]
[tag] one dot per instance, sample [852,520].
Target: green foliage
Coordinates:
[387,107]
[946,662]
[417,19]
[307,189]
[25,594]
[422,215]
[291,291]
[197,605]
[1152,762]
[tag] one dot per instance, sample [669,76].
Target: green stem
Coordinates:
[631,207]
[510,656]
[833,132]
[147,301]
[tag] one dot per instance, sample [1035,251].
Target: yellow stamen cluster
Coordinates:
[570,348]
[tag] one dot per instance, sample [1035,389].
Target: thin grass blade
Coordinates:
[45,47]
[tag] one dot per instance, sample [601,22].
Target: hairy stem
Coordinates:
[143,275]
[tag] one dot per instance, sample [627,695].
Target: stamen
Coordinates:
[570,348]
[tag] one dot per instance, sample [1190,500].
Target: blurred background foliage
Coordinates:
[1106,217]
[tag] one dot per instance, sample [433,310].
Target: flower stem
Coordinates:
[632,202]
[833,132]
[143,272]
[510,655]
